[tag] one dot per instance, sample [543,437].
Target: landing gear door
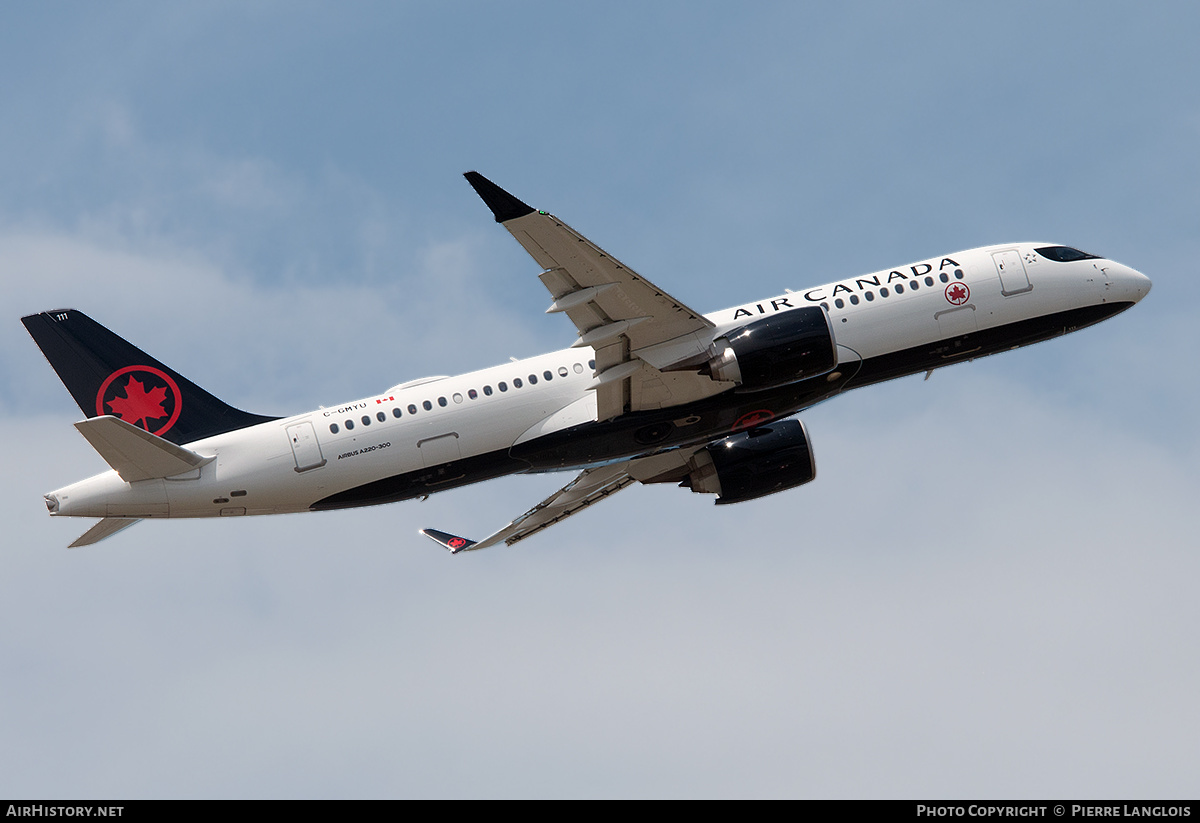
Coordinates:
[305,447]
[1013,279]
[437,451]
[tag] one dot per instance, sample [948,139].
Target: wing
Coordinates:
[637,330]
[591,486]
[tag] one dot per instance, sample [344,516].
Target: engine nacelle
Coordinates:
[777,350]
[754,463]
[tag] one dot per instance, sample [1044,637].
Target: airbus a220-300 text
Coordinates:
[651,391]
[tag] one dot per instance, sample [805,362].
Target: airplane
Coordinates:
[651,391]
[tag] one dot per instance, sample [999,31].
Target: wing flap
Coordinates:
[574,264]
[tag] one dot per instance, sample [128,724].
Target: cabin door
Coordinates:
[305,447]
[1013,279]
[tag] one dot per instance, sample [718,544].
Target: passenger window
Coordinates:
[533,379]
[366,419]
[943,277]
[517,383]
[913,285]
[442,402]
[899,288]
[502,386]
[380,416]
[396,412]
[870,296]
[562,371]
[958,274]
[854,299]
[349,424]
[592,365]
[472,394]
[825,306]
[549,375]
[928,281]
[883,292]
[426,405]
[458,397]
[412,409]
[840,303]
[487,390]
[333,427]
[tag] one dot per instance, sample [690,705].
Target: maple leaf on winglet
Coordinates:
[139,405]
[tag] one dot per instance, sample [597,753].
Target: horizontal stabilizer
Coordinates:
[105,528]
[135,453]
[449,541]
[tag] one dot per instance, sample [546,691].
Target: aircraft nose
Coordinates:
[1134,283]
[1143,285]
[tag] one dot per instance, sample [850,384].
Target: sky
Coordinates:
[987,592]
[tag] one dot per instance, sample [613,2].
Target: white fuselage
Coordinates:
[290,464]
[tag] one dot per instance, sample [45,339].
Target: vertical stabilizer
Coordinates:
[107,375]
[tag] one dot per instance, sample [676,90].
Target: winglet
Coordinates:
[452,542]
[503,205]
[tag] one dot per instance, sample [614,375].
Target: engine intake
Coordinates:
[754,463]
[774,351]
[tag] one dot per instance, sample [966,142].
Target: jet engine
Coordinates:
[776,350]
[754,463]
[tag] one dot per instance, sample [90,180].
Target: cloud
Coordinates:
[985,591]
[931,615]
[982,558]
[253,344]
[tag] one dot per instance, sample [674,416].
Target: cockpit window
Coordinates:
[1064,254]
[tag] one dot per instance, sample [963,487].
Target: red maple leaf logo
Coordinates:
[139,405]
[957,294]
[751,419]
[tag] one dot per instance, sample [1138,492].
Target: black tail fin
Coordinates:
[108,375]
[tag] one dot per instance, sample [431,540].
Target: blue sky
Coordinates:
[985,591]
